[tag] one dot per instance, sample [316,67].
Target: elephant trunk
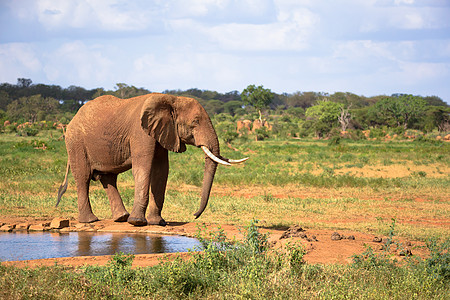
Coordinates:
[208,177]
[210,146]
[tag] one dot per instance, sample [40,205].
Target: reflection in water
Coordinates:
[36,245]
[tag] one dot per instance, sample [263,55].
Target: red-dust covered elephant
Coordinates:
[109,135]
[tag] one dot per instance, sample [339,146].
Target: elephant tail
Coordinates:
[63,187]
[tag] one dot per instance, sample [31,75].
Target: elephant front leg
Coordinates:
[159,174]
[118,210]
[141,195]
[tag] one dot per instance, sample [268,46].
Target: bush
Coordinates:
[28,131]
[261,133]
[439,261]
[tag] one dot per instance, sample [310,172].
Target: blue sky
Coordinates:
[369,47]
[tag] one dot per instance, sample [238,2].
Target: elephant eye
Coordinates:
[195,122]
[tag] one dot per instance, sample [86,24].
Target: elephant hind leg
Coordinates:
[84,205]
[118,210]
[82,175]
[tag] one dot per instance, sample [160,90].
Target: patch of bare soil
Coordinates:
[323,246]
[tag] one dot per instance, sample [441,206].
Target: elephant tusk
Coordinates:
[237,161]
[214,158]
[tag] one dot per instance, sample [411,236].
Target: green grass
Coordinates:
[316,183]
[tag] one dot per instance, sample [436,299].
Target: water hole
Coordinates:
[37,245]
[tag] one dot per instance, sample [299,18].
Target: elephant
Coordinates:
[109,136]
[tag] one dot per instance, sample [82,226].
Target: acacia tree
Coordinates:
[258,97]
[402,109]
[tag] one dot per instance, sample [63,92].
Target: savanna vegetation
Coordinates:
[386,165]
[300,114]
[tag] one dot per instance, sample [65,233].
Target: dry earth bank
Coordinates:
[323,246]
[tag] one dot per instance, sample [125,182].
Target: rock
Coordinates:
[257,124]
[377,239]
[65,229]
[58,223]
[294,231]
[405,252]
[351,237]
[244,126]
[85,227]
[39,227]
[311,239]
[22,226]
[7,228]
[336,236]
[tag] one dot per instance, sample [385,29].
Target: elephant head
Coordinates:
[177,121]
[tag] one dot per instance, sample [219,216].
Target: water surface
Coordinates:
[37,245]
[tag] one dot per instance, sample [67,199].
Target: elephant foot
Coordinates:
[156,221]
[87,218]
[122,218]
[137,221]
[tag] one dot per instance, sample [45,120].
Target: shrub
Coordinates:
[261,134]
[439,260]
[28,131]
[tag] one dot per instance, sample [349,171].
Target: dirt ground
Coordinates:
[321,248]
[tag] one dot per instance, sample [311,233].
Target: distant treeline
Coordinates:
[28,102]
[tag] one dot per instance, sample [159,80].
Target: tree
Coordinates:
[258,97]
[435,101]
[324,116]
[303,99]
[349,99]
[232,106]
[24,82]
[125,91]
[213,107]
[30,107]
[345,117]
[401,109]
[437,116]
[4,100]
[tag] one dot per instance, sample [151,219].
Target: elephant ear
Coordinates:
[158,120]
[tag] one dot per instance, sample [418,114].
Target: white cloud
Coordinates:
[219,11]
[290,31]
[18,60]
[188,68]
[399,2]
[116,15]
[412,73]
[78,63]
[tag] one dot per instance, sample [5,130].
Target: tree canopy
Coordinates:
[401,109]
[258,97]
